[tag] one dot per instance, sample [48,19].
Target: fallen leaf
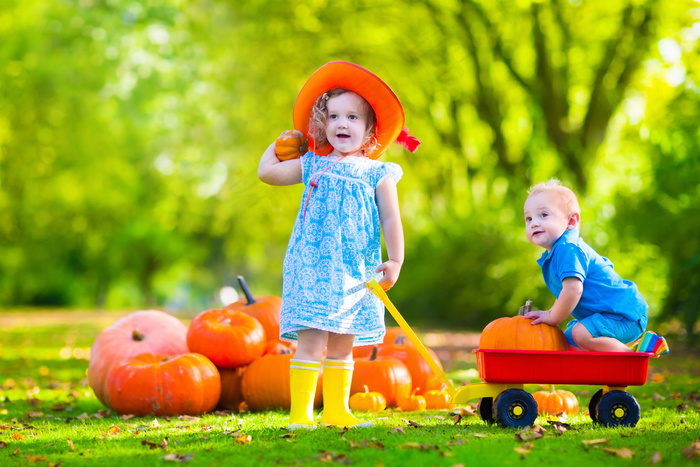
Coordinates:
[3,444]
[70,445]
[657,397]
[288,435]
[398,429]
[35,459]
[656,457]
[179,457]
[114,430]
[17,436]
[83,416]
[594,442]
[244,439]
[413,424]
[188,418]
[35,414]
[456,419]
[692,451]
[163,444]
[478,435]
[524,449]
[127,416]
[624,453]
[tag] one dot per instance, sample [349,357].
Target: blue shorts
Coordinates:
[605,325]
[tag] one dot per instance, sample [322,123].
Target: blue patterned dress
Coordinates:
[335,250]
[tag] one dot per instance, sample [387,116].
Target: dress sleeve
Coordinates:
[307,161]
[389,169]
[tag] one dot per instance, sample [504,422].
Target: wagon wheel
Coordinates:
[593,404]
[618,408]
[485,409]
[515,408]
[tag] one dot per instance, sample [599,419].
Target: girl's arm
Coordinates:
[572,288]
[390,218]
[275,172]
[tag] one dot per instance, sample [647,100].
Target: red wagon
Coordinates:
[502,398]
[504,372]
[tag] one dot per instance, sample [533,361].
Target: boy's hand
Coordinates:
[540,316]
[391,270]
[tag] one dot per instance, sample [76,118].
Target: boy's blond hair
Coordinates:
[566,196]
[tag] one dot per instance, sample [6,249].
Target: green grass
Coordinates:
[49,415]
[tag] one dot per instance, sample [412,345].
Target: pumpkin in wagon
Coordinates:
[518,333]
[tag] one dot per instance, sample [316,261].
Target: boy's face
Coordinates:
[546,219]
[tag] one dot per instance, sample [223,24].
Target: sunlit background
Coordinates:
[130,133]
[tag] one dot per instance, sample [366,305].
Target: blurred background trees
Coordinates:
[130,134]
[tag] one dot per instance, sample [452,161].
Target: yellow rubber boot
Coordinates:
[337,378]
[303,375]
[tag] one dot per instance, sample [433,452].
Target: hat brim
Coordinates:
[386,105]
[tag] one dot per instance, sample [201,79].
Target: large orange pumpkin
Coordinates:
[422,375]
[231,392]
[264,309]
[228,338]
[291,144]
[151,384]
[518,333]
[147,331]
[385,375]
[555,401]
[265,384]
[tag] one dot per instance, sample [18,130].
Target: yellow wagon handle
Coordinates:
[381,294]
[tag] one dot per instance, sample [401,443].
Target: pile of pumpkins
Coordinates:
[151,363]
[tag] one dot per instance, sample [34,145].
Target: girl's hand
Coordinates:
[540,316]
[391,270]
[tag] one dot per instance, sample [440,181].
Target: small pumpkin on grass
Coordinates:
[367,401]
[146,331]
[385,375]
[228,338]
[436,399]
[149,384]
[413,403]
[555,401]
[291,144]
[518,333]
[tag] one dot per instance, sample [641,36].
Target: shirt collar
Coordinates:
[569,236]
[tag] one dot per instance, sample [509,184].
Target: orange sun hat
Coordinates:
[386,105]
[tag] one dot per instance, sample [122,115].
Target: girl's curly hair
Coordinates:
[319,120]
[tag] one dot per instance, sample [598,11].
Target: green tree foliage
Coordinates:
[130,134]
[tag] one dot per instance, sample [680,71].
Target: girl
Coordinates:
[351,117]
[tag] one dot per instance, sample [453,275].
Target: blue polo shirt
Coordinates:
[604,291]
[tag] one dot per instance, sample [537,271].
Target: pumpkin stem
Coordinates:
[366,389]
[525,308]
[552,390]
[246,290]
[137,335]
[373,357]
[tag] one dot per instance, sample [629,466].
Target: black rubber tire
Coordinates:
[618,408]
[485,409]
[515,408]
[593,404]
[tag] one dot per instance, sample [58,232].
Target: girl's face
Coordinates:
[546,219]
[347,123]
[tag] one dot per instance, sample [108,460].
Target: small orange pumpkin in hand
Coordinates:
[291,144]
[367,401]
[555,401]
